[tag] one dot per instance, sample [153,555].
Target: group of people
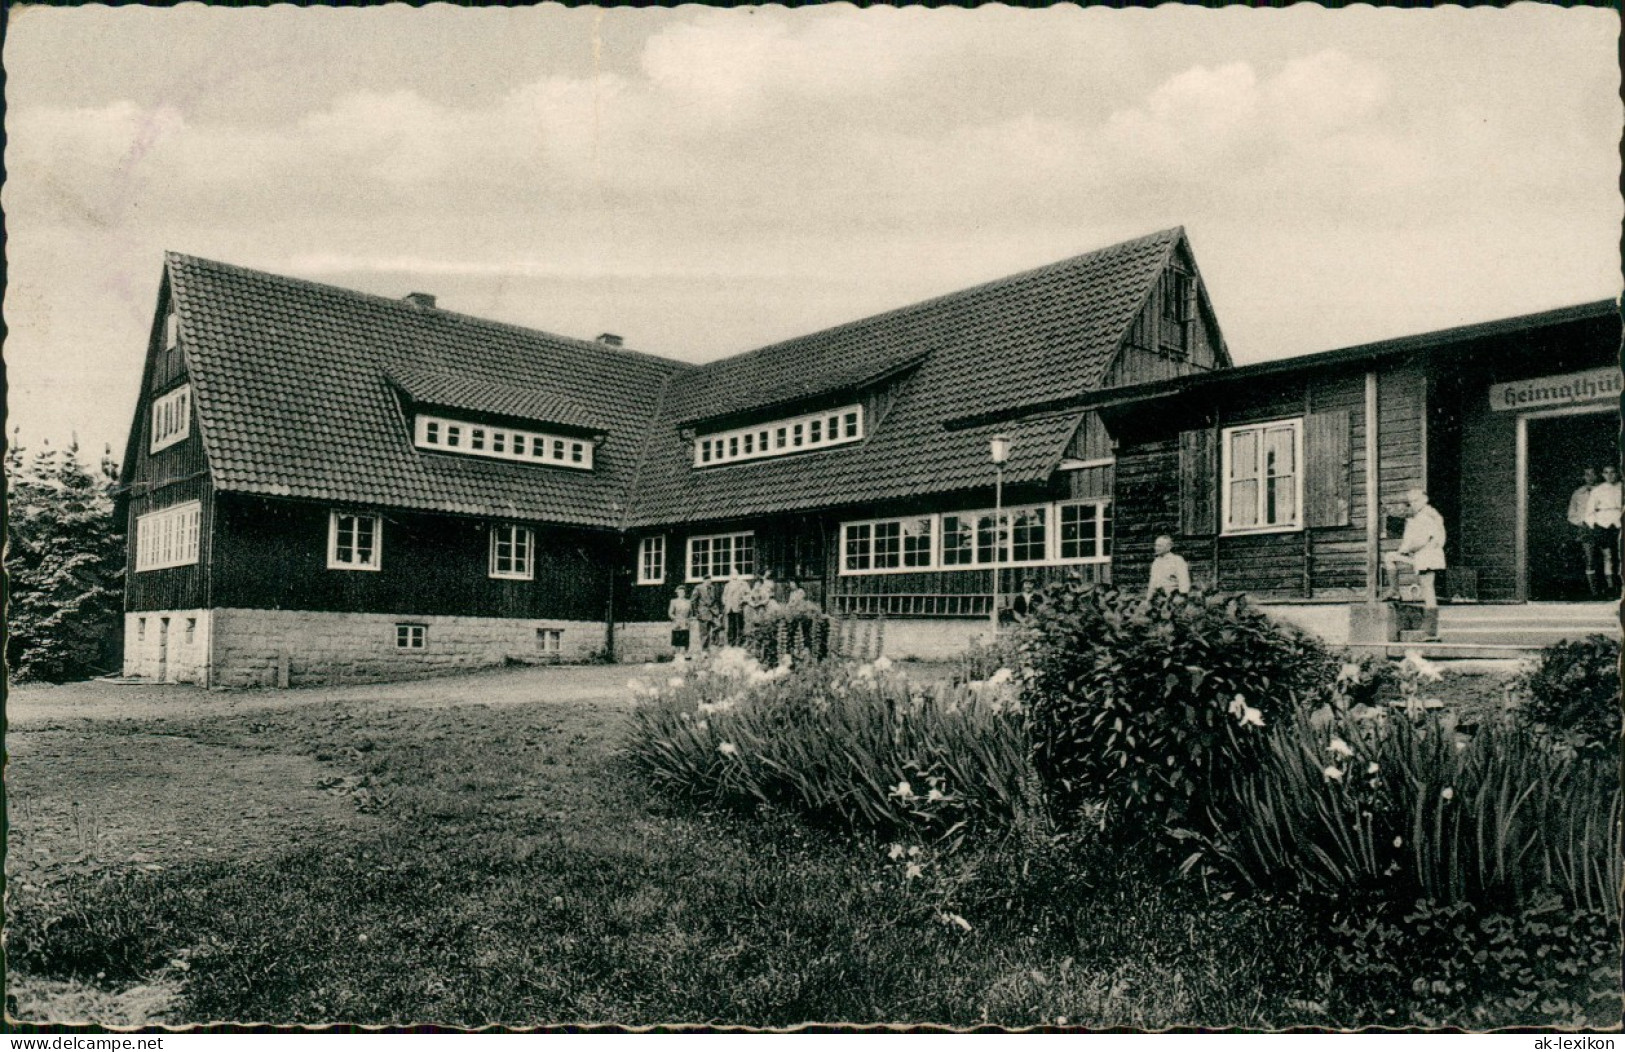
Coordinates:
[723,613]
[1594,510]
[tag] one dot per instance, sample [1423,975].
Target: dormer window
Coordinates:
[811,431]
[443,434]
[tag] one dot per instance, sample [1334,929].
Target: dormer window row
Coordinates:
[448,435]
[831,427]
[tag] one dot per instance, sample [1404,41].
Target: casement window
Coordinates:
[513,551]
[167,538]
[888,544]
[444,434]
[354,542]
[1034,535]
[411,637]
[652,560]
[1085,531]
[1262,478]
[171,418]
[810,431]
[1178,310]
[550,641]
[721,555]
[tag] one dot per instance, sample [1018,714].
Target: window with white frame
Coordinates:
[830,427]
[354,542]
[167,538]
[171,418]
[550,641]
[1084,531]
[446,435]
[411,637]
[652,560]
[887,544]
[721,555]
[1263,478]
[1032,535]
[513,552]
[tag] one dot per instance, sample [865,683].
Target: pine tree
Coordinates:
[65,560]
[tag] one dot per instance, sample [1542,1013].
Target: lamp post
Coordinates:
[1000,450]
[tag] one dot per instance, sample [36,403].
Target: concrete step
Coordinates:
[1449,650]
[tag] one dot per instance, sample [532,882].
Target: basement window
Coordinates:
[550,641]
[411,637]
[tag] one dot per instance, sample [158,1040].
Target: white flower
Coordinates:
[903,791]
[1372,768]
[1250,715]
[1238,706]
[728,749]
[1333,774]
[1399,841]
[895,851]
[1001,676]
[1349,673]
[912,871]
[935,795]
[1448,793]
[1424,668]
[1339,747]
[882,663]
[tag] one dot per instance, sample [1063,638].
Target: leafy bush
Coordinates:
[1137,705]
[1478,967]
[65,558]
[1573,689]
[1408,810]
[854,747]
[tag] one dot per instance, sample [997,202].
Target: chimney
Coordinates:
[609,339]
[421,300]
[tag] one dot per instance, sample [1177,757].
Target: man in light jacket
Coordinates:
[1602,516]
[1421,548]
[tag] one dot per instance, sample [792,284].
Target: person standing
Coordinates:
[1422,547]
[707,613]
[1579,506]
[734,595]
[680,611]
[1602,515]
[1169,570]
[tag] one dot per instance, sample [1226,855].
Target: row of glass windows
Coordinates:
[167,538]
[814,431]
[442,433]
[1071,532]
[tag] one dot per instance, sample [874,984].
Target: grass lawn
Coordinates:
[473,851]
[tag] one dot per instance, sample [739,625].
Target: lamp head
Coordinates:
[1000,448]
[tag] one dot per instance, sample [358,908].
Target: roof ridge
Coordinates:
[1171,234]
[402,304]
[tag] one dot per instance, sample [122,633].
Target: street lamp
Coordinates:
[1000,450]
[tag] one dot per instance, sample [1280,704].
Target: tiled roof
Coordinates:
[1020,341]
[289,379]
[438,387]
[294,381]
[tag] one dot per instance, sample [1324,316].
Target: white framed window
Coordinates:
[354,542]
[969,538]
[829,427]
[721,555]
[411,637]
[168,537]
[1084,531]
[652,560]
[513,552]
[888,545]
[171,418]
[1263,477]
[172,331]
[533,447]
[550,641]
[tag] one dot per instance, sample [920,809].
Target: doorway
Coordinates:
[163,650]
[1559,449]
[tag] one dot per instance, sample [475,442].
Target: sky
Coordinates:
[705,181]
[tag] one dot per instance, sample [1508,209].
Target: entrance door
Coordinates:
[1559,449]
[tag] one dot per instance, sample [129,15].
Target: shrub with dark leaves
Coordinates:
[1138,704]
[1573,689]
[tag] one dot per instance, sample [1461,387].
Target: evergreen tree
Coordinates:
[65,561]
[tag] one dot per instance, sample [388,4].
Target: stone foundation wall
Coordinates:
[640,641]
[253,647]
[171,646]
